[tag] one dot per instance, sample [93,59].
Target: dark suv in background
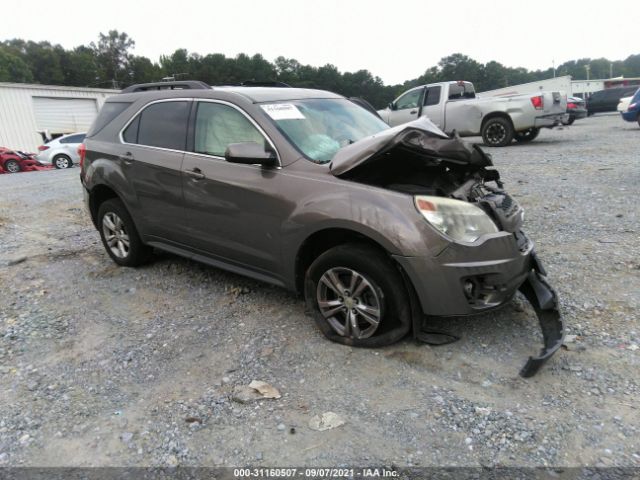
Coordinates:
[607,100]
[376,226]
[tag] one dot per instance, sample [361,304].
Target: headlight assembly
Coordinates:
[458,220]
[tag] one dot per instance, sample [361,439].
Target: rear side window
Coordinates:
[218,125]
[73,139]
[161,125]
[108,112]
[433,96]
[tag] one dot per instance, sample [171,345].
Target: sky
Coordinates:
[396,40]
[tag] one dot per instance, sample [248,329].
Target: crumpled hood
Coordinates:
[420,136]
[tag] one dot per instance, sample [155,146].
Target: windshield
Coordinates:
[320,127]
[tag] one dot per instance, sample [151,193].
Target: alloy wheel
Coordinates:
[12,166]
[349,302]
[496,133]
[62,162]
[115,235]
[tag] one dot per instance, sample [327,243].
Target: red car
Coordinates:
[12,161]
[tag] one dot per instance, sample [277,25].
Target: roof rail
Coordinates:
[258,83]
[175,85]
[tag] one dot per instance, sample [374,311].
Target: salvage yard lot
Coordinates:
[101,365]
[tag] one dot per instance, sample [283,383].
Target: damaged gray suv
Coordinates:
[379,228]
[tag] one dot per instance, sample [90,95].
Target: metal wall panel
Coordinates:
[18,125]
[64,115]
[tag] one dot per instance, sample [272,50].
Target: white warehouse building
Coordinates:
[31,113]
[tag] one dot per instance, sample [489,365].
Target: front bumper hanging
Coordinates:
[544,301]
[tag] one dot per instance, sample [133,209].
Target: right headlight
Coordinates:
[458,220]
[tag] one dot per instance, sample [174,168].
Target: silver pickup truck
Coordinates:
[455,106]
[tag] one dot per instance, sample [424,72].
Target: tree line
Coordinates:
[110,63]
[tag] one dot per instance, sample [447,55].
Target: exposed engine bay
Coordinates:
[422,161]
[417,167]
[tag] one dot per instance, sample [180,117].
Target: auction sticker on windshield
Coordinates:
[283,111]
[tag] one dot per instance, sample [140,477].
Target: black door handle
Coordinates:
[413,111]
[195,173]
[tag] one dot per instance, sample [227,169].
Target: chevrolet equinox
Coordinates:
[379,228]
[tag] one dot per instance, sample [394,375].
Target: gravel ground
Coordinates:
[102,366]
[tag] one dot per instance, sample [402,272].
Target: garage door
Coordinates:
[64,115]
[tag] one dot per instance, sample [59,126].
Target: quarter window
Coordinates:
[130,135]
[161,125]
[218,125]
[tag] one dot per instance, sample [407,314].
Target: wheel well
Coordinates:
[320,242]
[61,155]
[494,115]
[98,195]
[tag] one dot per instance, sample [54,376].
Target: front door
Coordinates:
[406,108]
[233,211]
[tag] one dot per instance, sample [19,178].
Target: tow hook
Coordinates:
[544,301]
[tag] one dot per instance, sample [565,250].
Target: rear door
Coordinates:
[407,107]
[153,145]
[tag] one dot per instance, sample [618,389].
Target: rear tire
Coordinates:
[358,297]
[62,162]
[12,166]
[120,236]
[497,132]
[526,135]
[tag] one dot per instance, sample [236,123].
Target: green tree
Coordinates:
[113,57]
[42,58]
[460,67]
[13,68]
[177,64]
[80,67]
[142,70]
[495,75]
[631,66]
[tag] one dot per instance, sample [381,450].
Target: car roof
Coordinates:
[253,94]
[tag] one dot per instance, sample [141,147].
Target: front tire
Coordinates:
[358,297]
[497,132]
[119,235]
[12,166]
[62,162]
[526,135]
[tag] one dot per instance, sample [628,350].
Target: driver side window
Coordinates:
[409,100]
[218,125]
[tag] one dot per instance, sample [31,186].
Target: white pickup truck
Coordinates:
[455,106]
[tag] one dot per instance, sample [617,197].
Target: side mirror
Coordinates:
[250,153]
[392,106]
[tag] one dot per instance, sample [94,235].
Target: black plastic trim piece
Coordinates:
[181,85]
